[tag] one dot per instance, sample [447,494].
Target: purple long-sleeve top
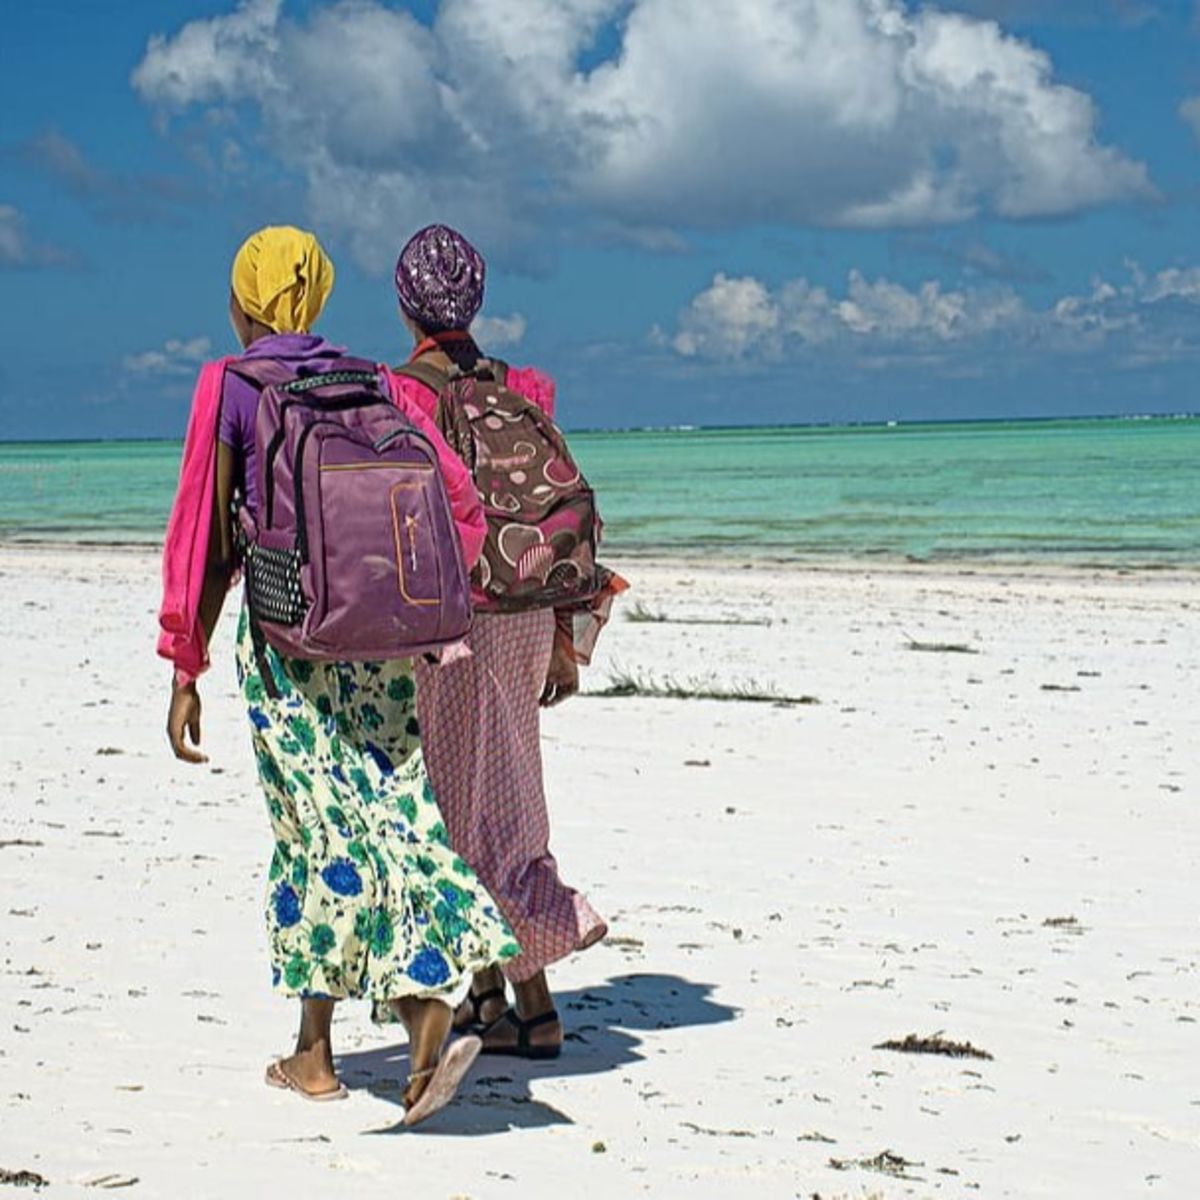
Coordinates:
[239,399]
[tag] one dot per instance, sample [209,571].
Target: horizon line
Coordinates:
[883,423]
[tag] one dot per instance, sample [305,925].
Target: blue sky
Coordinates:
[740,211]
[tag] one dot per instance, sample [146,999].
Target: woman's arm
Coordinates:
[183,715]
[562,674]
[534,385]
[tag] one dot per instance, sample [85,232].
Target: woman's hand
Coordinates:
[184,716]
[562,676]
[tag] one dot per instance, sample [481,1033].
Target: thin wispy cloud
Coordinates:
[110,195]
[973,256]
[1189,110]
[21,251]
[1127,13]
[177,356]
[499,331]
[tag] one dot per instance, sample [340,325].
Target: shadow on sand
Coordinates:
[601,1025]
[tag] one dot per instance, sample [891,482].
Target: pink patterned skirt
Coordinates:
[480,731]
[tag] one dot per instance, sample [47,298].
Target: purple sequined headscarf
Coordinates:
[439,279]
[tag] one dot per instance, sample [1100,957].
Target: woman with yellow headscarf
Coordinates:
[365,898]
[281,279]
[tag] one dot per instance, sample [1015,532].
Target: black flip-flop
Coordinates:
[477,1024]
[524,1047]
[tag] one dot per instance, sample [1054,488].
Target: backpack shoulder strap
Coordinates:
[262,372]
[497,368]
[341,372]
[423,371]
[438,378]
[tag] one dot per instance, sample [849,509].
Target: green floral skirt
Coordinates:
[366,898]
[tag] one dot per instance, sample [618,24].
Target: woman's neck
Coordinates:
[454,347]
[258,331]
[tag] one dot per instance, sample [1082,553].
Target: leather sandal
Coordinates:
[524,1047]
[477,1024]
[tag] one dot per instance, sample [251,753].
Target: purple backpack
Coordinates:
[354,555]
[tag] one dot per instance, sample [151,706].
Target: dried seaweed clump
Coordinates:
[934,1045]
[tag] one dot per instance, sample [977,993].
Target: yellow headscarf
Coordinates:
[282,277]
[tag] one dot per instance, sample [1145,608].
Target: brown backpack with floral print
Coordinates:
[542,524]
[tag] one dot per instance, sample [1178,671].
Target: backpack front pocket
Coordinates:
[379,583]
[416,560]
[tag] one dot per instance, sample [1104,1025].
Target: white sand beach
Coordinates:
[999,846]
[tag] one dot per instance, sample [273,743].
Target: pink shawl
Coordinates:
[185,551]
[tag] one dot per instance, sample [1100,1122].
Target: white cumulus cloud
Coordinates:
[730,319]
[736,319]
[726,114]
[209,59]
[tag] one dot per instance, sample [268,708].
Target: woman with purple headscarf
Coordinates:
[480,715]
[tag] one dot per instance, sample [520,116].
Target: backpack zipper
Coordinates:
[383,466]
[276,442]
[298,478]
[410,524]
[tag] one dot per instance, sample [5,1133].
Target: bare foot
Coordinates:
[444,1079]
[308,1071]
[596,935]
[428,1024]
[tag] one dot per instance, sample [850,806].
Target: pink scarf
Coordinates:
[185,552]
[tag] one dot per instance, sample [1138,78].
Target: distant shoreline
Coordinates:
[757,427]
[1032,567]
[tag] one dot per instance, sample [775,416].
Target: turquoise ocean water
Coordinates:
[1119,492]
